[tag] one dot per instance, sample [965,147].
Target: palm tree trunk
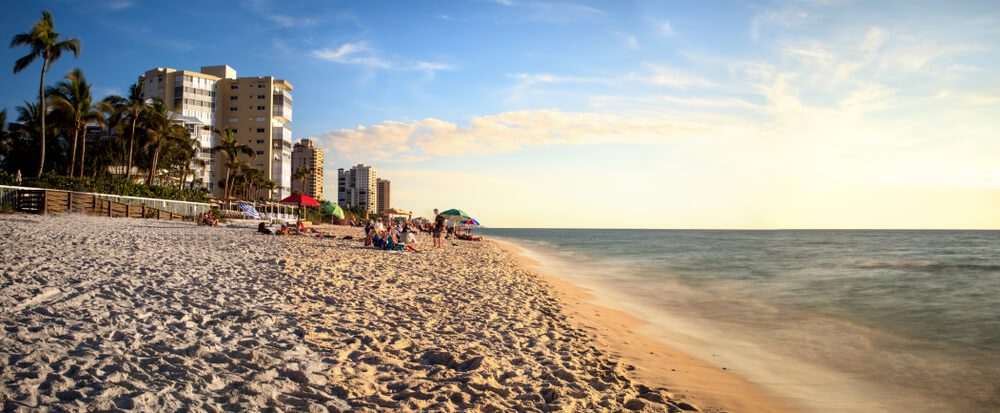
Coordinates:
[72,155]
[83,153]
[43,108]
[152,168]
[184,176]
[131,143]
[225,191]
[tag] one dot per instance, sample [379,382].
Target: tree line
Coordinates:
[132,138]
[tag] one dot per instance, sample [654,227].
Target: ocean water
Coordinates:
[829,320]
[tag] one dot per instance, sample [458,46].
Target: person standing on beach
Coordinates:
[438,228]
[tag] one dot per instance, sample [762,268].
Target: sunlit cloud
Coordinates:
[504,132]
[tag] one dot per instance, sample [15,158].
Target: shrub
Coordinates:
[113,186]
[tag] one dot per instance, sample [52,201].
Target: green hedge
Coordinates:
[122,187]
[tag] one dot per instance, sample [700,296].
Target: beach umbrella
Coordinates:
[470,222]
[333,209]
[456,215]
[301,200]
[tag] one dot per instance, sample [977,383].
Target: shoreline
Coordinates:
[632,339]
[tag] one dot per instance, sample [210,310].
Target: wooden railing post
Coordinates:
[45,202]
[69,202]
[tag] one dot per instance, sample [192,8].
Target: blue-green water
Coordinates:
[915,314]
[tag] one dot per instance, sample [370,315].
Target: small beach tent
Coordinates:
[249,210]
[300,200]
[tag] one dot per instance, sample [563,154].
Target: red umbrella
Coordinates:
[300,200]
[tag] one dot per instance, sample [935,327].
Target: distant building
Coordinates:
[384,187]
[257,109]
[358,187]
[305,155]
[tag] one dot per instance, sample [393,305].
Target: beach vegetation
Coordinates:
[232,149]
[109,185]
[71,101]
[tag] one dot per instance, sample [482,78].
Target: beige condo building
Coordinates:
[306,155]
[257,109]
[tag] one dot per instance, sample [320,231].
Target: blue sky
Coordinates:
[732,114]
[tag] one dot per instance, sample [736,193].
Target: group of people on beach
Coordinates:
[388,236]
[381,234]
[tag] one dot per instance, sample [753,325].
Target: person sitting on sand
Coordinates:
[209,219]
[392,243]
[263,229]
[300,227]
[410,239]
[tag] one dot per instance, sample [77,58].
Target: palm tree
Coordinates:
[160,131]
[133,106]
[269,186]
[44,42]
[302,174]
[73,97]
[232,149]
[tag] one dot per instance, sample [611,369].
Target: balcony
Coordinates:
[282,106]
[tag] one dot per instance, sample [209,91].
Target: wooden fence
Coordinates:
[47,201]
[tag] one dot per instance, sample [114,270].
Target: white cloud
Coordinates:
[631,41]
[359,53]
[666,29]
[504,132]
[779,18]
[119,4]
[667,76]
[267,11]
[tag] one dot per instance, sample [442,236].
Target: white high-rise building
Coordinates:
[358,186]
[258,110]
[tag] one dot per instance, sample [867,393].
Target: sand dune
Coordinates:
[127,314]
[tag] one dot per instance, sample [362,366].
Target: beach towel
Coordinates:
[248,209]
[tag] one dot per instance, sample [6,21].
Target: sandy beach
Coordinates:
[130,314]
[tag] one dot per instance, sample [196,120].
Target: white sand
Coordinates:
[101,313]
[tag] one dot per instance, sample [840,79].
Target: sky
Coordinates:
[602,114]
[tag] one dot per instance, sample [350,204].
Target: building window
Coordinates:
[260,152]
[261,107]
[260,96]
[233,97]
[232,109]
[260,130]
[234,87]
[260,86]
[260,141]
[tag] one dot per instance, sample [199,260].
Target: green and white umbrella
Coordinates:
[333,209]
[456,215]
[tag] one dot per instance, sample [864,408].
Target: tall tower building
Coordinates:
[358,187]
[305,155]
[257,109]
[384,187]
